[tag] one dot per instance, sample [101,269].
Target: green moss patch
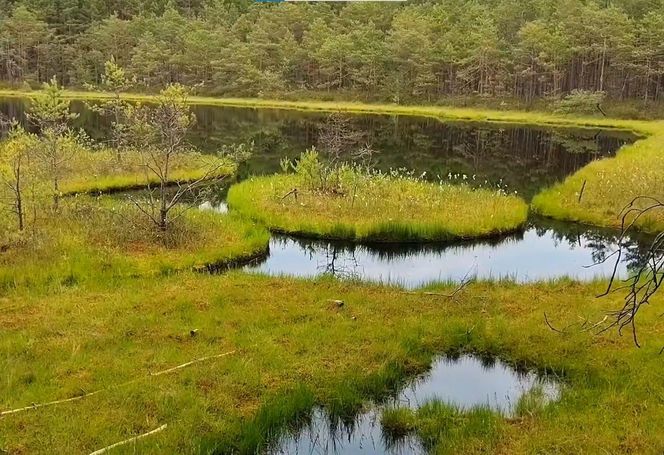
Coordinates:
[90,239]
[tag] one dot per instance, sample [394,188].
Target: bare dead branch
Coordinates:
[647,279]
[128,441]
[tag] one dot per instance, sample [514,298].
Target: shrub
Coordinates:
[580,102]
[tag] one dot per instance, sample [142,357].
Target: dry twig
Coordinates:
[127,441]
[80,397]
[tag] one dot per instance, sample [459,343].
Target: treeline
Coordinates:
[415,50]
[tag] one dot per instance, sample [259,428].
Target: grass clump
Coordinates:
[354,204]
[109,170]
[598,193]
[443,428]
[447,429]
[90,238]
[398,422]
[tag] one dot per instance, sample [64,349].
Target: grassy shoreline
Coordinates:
[559,202]
[293,349]
[100,171]
[386,209]
[94,240]
[598,193]
[442,112]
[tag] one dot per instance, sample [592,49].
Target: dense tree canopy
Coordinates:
[413,50]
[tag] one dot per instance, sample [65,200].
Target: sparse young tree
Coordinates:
[159,134]
[50,113]
[114,81]
[16,171]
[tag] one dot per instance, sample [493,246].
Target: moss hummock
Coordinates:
[383,209]
[91,240]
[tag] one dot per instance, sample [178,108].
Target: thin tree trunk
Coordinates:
[19,196]
[602,67]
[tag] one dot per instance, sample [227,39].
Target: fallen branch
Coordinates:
[582,327]
[596,325]
[202,359]
[80,397]
[293,192]
[465,282]
[49,403]
[127,441]
[546,319]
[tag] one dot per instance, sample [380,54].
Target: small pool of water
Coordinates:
[465,382]
[537,254]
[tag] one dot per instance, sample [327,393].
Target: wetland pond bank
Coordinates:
[505,157]
[466,385]
[284,334]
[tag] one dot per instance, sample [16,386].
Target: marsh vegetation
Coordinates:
[351,203]
[110,331]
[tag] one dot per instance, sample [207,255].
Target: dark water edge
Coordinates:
[524,159]
[463,384]
[520,158]
[543,251]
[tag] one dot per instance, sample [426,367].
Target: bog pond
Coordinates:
[507,157]
[513,158]
[464,383]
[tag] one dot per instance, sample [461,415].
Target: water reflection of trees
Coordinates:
[525,158]
[340,258]
[602,242]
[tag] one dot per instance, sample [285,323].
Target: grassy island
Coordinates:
[108,170]
[96,239]
[378,208]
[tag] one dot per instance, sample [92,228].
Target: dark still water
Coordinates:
[546,249]
[522,159]
[539,253]
[464,383]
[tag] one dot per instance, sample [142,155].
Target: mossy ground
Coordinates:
[108,170]
[384,209]
[92,239]
[293,349]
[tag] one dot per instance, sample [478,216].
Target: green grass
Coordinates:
[443,112]
[294,351]
[91,303]
[385,209]
[611,184]
[101,171]
[445,429]
[602,200]
[92,240]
